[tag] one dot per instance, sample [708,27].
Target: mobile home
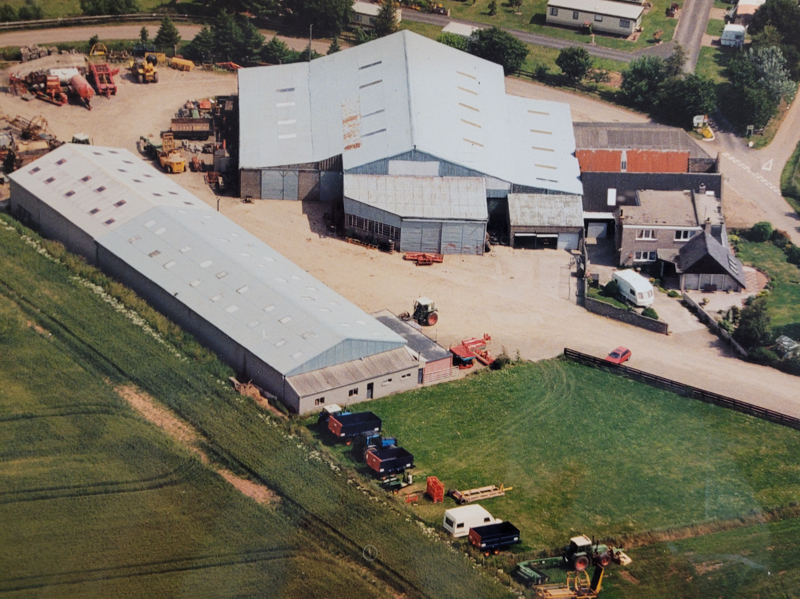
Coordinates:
[732,35]
[458,520]
[634,287]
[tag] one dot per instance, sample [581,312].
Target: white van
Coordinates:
[634,287]
[458,520]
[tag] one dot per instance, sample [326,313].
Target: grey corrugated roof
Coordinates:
[462,198]
[227,276]
[545,210]
[98,188]
[399,93]
[702,245]
[417,341]
[349,373]
[624,10]
[596,186]
[635,136]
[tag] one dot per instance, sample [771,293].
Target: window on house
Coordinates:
[319,401]
[639,256]
[553,11]
[353,392]
[683,235]
[357,18]
[598,18]
[646,234]
[624,24]
[575,15]
[623,161]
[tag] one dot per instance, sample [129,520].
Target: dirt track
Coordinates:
[524,299]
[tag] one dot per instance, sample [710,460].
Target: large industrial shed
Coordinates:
[401,106]
[269,319]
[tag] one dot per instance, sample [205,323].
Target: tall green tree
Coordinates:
[276,51]
[168,35]
[334,47]
[201,48]
[492,8]
[329,17]
[499,46]
[109,7]
[574,62]
[7,13]
[754,323]
[680,99]
[673,64]
[773,73]
[144,35]
[386,21]
[641,81]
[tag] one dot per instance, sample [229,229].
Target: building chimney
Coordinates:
[702,188]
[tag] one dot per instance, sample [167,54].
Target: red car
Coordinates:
[619,355]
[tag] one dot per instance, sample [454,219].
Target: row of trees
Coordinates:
[29,11]
[491,44]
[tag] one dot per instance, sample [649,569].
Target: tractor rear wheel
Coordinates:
[604,559]
[155,77]
[432,319]
[581,563]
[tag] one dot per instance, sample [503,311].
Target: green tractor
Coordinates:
[425,312]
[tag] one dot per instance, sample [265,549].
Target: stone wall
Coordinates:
[603,309]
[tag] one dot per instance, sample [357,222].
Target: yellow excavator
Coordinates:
[144,69]
[169,157]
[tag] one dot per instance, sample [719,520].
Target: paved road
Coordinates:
[756,174]
[127,32]
[691,27]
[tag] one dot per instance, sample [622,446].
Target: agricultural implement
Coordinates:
[473,349]
[435,489]
[424,259]
[103,78]
[491,538]
[366,441]
[470,495]
[581,553]
[391,460]
[578,585]
[425,312]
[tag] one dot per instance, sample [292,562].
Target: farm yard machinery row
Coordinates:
[362,430]
[56,86]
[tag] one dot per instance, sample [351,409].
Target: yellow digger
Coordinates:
[171,158]
[144,69]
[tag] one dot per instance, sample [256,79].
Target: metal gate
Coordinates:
[411,237]
[279,185]
[452,236]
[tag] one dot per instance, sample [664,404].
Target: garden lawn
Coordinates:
[590,452]
[63,8]
[783,304]
[713,62]
[790,180]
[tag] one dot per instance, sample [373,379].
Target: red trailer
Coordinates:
[103,78]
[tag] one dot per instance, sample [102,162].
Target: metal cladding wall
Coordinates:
[38,215]
[442,237]
[371,213]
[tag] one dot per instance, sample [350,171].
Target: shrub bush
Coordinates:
[793,254]
[762,355]
[611,288]
[673,293]
[650,313]
[760,232]
[501,361]
[780,238]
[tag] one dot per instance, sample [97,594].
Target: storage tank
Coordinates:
[81,87]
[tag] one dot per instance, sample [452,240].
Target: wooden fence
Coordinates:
[685,390]
[83,21]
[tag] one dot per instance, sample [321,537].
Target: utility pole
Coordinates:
[310,29]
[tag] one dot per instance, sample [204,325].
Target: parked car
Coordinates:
[619,355]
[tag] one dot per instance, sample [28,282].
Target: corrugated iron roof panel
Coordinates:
[545,210]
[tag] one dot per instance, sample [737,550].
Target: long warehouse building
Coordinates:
[392,126]
[263,315]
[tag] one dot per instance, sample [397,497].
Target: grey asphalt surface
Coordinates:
[691,27]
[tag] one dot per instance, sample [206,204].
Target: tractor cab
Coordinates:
[425,312]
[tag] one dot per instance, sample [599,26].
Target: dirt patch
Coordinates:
[189,438]
[629,577]
[250,390]
[41,330]
[706,567]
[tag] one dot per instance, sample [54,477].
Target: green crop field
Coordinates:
[96,502]
[590,452]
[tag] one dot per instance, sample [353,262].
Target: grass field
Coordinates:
[784,299]
[790,180]
[62,8]
[207,538]
[532,18]
[587,451]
